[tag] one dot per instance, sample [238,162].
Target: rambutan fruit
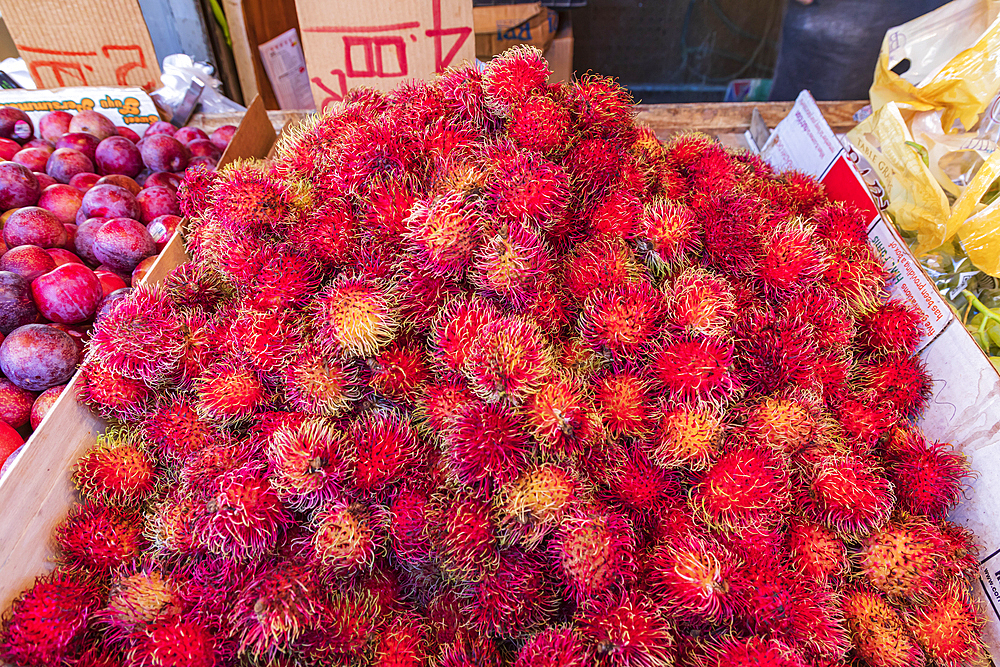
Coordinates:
[354,315]
[817,622]
[900,380]
[511,262]
[616,214]
[596,265]
[845,493]
[637,483]
[509,358]
[700,302]
[229,392]
[318,385]
[445,232]
[111,394]
[877,631]
[623,401]
[265,341]
[733,651]
[600,105]
[623,320]
[249,200]
[196,286]
[815,551]
[473,652]
[864,420]
[772,354]
[463,535]
[548,304]
[730,233]
[400,370]
[407,525]
[116,470]
[949,628]
[691,576]
[487,445]
[514,599]
[138,599]
[403,643]
[510,78]
[173,642]
[307,462]
[928,477]
[686,435]
[560,417]
[789,257]
[627,631]
[286,281]
[195,193]
[532,505]
[439,406]
[893,327]
[901,559]
[684,149]
[327,235]
[746,487]
[666,234]
[805,192]
[539,123]
[140,337]
[345,629]
[386,211]
[961,550]
[274,607]
[46,621]
[203,466]
[420,294]
[858,277]
[379,149]
[243,517]
[343,540]
[386,450]
[463,93]
[455,327]
[700,368]
[785,423]
[823,314]
[841,225]
[525,187]
[98,539]
[554,647]
[594,550]
[170,525]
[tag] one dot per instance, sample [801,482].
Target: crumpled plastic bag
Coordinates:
[178,72]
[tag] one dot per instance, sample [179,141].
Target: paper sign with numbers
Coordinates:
[379,43]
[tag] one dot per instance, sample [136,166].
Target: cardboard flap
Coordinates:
[254,137]
[501,17]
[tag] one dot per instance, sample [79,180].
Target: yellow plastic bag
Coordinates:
[953,55]
[980,232]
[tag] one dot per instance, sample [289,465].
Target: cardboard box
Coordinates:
[128,107]
[83,43]
[499,28]
[560,52]
[380,43]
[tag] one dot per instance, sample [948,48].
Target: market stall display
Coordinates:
[478,371]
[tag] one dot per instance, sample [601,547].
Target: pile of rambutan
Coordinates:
[479,372]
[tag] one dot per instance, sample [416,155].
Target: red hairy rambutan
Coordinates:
[201,348]
[596,265]
[899,380]
[691,576]
[732,651]
[949,628]
[202,467]
[510,78]
[47,620]
[346,628]
[548,304]
[789,258]
[243,517]
[229,392]
[845,493]
[421,294]
[786,424]
[138,599]
[343,540]
[386,211]
[745,488]
[473,652]
[524,186]
[116,471]
[555,647]
[560,417]
[773,354]
[326,235]
[264,341]
[403,643]
[170,524]
[400,370]
[173,642]
[841,225]
[455,327]
[274,607]
[627,631]
[539,123]
[623,401]
[97,539]
[857,276]
[686,435]
[601,105]
[386,450]
[531,506]
[616,214]
[864,420]
[407,525]
[815,551]
[594,549]
[196,191]
[731,228]
[623,320]
[111,394]
[463,535]
[514,599]
[822,313]
[354,315]
[637,483]
[315,384]
[928,477]
[463,93]
[695,369]
[700,302]
[594,163]
[684,149]
[286,281]
[877,631]
[667,234]
[511,263]
[901,559]
[249,200]
[893,327]
[440,405]
[487,445]
[445,232]
[306,461]
[377,149]
[805,193]
[196,286]
[509,358]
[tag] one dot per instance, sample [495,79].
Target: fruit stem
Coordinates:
[984,311]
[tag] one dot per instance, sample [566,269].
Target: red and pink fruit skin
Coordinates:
[27,261]
[18,186]
[202,160]
[44,403]
[62,256]
[34,159]
[164,178]
[11,443]
[53,125]
[70,237]
[110,300]
[8,149]
[157,201]
[110,201]
[118,155]
[121,181]
[15,125]
[110,282]
[161,152]
[65,163]
[204,148]
[162,228]
[33,225]
[186,135]
[122,243]
[15,404]
[80,333]
[222,136]
[80,141]
[143,268]
[44,180]
[93,123]
[17,308]
[62,201]
[160,127]
[69,294]
[36,357]
[85,235]
[129,134]
[84,182]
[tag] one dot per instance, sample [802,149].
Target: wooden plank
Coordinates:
[734,117]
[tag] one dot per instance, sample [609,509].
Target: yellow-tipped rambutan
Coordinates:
[623,401]
[560,417]
[525,187]
[274,607]
[733,651]
[354,315]
[403,643]
[316,384]
[511,263]
[596,265]
[111,394]
[899,380]
[815,551]
[785,423]
[242,518]
[229,392]
[174,642]
[532,505]
[667,235]
[555,647]
[400,370]
[117,470]
[487,445]
[96,539]
[509,358]
[307,461]
[790,257]
[700,302]
[847,494]
[691,576]
[249,200]
[949,628]
[140,598]
[877,631]
[455,327]
[627,631]
[902,559]
[699,368]
[686,435]
[928,477]
[624,320]
[895,326]
[745,488]
[539,123]
[463,535]
[343,540]
[511,77]
[445,232]
[594,549]
[857,276]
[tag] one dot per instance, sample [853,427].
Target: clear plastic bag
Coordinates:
[179,71]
